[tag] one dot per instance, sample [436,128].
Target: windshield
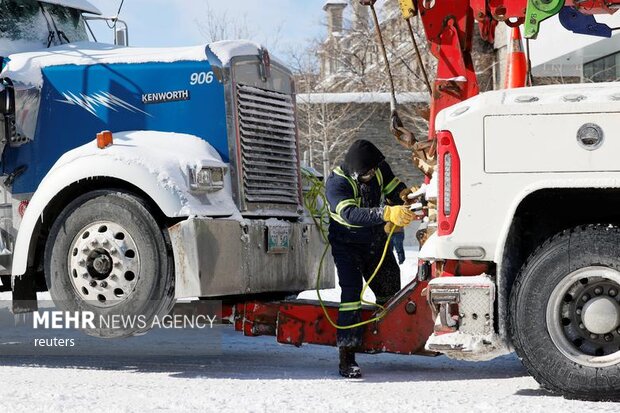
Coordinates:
[25,27]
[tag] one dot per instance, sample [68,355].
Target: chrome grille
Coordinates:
[268,146]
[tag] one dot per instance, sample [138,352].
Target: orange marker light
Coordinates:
[104,139]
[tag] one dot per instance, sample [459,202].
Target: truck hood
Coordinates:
[26,68]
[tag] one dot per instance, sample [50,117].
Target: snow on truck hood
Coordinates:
[161,147]
[227,49]
[26,68]
[165,155]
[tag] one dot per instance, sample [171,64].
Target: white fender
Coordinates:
[155,162]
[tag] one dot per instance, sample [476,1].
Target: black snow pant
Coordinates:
[354,263]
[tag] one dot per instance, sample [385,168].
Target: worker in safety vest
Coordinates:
[363,195]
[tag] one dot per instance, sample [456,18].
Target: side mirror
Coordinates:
[121,34]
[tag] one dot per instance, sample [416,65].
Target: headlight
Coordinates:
[206,179]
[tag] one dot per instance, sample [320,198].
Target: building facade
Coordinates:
[560,56]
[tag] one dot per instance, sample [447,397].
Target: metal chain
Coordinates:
[419,55]
[384,53]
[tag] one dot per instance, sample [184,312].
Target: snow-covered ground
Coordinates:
[257,374]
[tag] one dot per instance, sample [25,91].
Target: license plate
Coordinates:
[278,239]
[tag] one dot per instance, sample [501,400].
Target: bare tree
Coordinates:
[328,128]
[352,60]
[216,26]
[305,67]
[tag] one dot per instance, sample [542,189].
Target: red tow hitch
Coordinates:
[403,329]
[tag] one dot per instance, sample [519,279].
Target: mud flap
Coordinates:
[24,294]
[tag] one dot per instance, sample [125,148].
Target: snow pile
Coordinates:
[472,347]
[26,67]
[227,49]
[477,280]
[275,222]
[360,97]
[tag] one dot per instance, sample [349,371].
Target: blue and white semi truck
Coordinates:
[199,194]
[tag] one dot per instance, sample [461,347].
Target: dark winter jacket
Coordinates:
[356,209]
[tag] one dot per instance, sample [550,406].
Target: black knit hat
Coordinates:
[361,157]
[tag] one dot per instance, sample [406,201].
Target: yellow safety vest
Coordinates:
[356,200]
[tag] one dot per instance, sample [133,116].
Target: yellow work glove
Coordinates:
[399,215]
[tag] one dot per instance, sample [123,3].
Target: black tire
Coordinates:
[546,306]
[152,291]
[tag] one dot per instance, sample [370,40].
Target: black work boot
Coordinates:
[348,366]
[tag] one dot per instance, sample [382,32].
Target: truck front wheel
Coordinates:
[106,254]
[565,313]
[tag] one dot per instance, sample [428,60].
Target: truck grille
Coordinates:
[268,146]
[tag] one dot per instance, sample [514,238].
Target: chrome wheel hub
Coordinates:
[601,315]
[104,264]
[583,316]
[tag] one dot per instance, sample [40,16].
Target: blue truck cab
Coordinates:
[198,194]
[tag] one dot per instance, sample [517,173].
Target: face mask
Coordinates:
[367,176]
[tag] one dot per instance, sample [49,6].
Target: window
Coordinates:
[605,69]
[23,24]
[19,20]
[69,21]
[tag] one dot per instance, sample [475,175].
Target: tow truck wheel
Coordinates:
[565,313]
[106,254]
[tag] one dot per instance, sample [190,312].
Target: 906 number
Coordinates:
[201,78]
